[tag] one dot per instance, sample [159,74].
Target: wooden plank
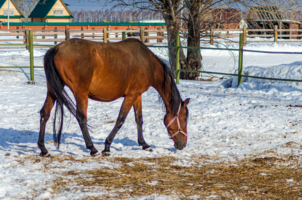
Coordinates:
[47,30]
[5,30]
[88,36]
[86,31]
[154,44]
[155,30]
[255,35]
[119,38]
[12,34]
[49,40]
[155,37]
[260,41]
[136,37]
[10,47]
[12,40]
[127,31]
[95,39]
[47,34]
[292,35]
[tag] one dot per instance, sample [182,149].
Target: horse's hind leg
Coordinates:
[45,113]
[81,115]
[126,106]
[139,121]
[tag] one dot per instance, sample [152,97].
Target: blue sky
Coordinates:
[84,4]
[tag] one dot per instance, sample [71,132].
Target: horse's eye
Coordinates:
[185,120]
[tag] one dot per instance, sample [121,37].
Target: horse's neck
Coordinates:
[165,92]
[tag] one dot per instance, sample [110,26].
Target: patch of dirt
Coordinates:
[254,178]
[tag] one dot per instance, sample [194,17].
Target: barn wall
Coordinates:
[11,7]
[11,19]
[58,6]
[58,20]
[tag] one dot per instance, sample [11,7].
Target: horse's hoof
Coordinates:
[95,154]
[106,153]
[47,155]
[148,149]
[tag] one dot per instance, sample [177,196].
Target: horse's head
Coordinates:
[177,125]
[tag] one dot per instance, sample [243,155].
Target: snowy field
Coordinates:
[226,123]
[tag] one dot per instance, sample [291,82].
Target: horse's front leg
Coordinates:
[81,115]
[139,121]
[45,113]
[126,106]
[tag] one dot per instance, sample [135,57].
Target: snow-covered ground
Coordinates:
[226,122]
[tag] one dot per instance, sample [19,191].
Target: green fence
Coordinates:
[240,60]
[30,47]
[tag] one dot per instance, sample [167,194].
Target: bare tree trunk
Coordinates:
[194,26]
[172,28]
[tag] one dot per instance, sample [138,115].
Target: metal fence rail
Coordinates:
[240,61]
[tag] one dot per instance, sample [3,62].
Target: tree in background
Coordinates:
[169,9]
[204,15]
[26,6]
[195,19]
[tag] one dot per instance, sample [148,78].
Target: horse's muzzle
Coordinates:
[180,145]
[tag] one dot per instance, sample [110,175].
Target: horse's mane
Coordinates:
[175,95]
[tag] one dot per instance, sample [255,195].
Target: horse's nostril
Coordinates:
[179,145]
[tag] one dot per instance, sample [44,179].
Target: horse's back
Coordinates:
[106,71]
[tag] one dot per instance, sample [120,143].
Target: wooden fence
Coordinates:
[159,35]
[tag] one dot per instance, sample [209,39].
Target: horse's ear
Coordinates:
[186,102]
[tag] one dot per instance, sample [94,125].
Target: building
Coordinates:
[223,18]
[15,14]
[266,17]
[51,11]
[226,18]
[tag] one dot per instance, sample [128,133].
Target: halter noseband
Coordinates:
[178,124]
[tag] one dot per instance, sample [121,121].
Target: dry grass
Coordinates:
[258,178]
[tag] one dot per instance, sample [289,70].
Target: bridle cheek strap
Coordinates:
[178,124]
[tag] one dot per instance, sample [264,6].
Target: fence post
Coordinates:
[26,38]
[147,34]
[159,34]
[56,36]
[123,35]
[142,34]
[43,37]
[244,35]
[18,32]
[82,34]
[177,57]
[130,33]
[276,33]
[31,53]
[212,37]
[105,35]
[108,34]
[116,34]
[240,62]
[93,32]
[67,34]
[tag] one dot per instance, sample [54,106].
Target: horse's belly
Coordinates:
[105,92]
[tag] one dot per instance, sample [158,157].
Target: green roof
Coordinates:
[3,1]
[42,9]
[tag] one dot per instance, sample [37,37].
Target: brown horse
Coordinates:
[106,72]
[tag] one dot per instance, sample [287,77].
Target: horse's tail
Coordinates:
[56,87]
